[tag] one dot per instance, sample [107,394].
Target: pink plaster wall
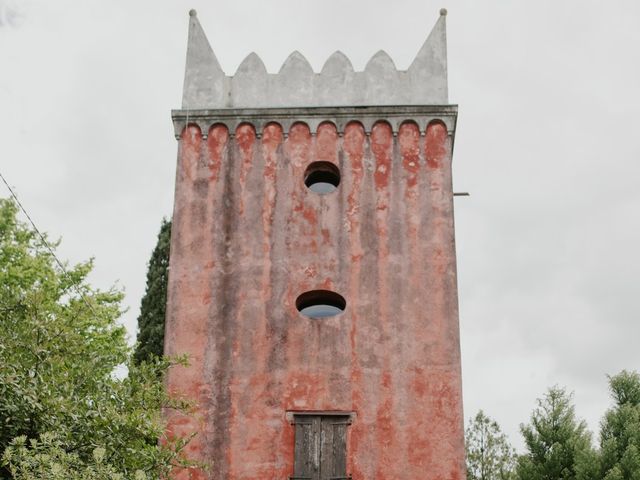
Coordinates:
[249,237]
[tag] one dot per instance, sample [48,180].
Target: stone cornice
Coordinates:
[313,116]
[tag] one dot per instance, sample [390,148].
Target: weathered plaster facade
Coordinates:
[249,237]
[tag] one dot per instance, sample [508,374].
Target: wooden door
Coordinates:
[320,447]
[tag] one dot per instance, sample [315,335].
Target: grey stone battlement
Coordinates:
[206,86]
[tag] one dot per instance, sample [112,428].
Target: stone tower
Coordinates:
[313,269]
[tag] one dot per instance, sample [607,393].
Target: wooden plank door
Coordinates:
[320,447]
[306,464]
[333,447]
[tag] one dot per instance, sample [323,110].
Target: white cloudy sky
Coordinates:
[548,144]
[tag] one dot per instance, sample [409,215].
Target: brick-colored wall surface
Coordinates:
[249,237]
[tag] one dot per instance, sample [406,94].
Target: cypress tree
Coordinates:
[150,341]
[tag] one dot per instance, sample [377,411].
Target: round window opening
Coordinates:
[320,304]
[322,177]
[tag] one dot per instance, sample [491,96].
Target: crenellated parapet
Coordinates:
[296,84]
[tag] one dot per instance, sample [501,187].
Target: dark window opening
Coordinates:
[320,447]
[320,303]
[322,177]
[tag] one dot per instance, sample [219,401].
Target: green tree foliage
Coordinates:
[59,347]
[620,430]
[558,445]
[48,459]
[153,304]
[489,454]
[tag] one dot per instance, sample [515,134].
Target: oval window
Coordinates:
[320,304]
[322,177]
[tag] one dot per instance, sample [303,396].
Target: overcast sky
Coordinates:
[548,144]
